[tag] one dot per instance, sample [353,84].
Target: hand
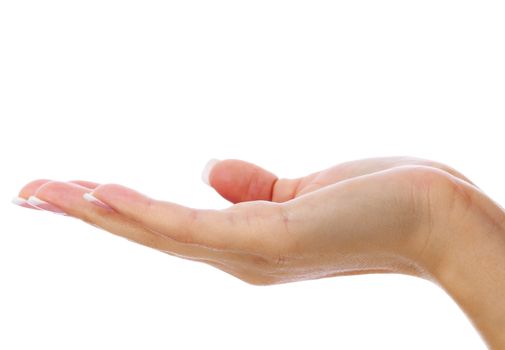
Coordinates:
[357,217]
[400,215]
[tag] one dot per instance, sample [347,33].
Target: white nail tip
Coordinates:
[35,201]
[92,199]
[89,197]
[207,169]
[40,204]
[19,201]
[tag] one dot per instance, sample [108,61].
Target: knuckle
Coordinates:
[425,176]
[444,167]
[434,196]
[434,180]
[433,187]
[419,187]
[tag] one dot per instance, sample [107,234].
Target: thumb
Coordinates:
[240,181]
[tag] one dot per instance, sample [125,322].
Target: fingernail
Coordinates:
[207,169]
[92,199]
[39,203]
[23,203]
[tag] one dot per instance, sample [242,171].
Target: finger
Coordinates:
[68,197]
[447,169]
[371,165]
[28,190]
[245,229]
[240,181]
[356,168]
[242,264]
[32,187]
[88,184]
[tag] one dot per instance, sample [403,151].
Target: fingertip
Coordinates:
[22,202]
[238,181]
[18,201]
[31,187]
[208,169]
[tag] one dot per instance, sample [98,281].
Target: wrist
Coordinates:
[466,258]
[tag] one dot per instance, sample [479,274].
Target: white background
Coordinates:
[143,93]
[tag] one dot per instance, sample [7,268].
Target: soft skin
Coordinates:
[383,215]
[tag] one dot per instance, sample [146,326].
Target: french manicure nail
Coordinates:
[39,203]
[23,203]
[92,199]
[207,169]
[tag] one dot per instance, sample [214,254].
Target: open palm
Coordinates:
[370,215]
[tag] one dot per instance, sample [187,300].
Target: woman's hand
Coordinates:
[400,215]
[354,217]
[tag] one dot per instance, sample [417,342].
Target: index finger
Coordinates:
[246,228]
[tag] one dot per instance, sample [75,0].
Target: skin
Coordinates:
[383,215]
